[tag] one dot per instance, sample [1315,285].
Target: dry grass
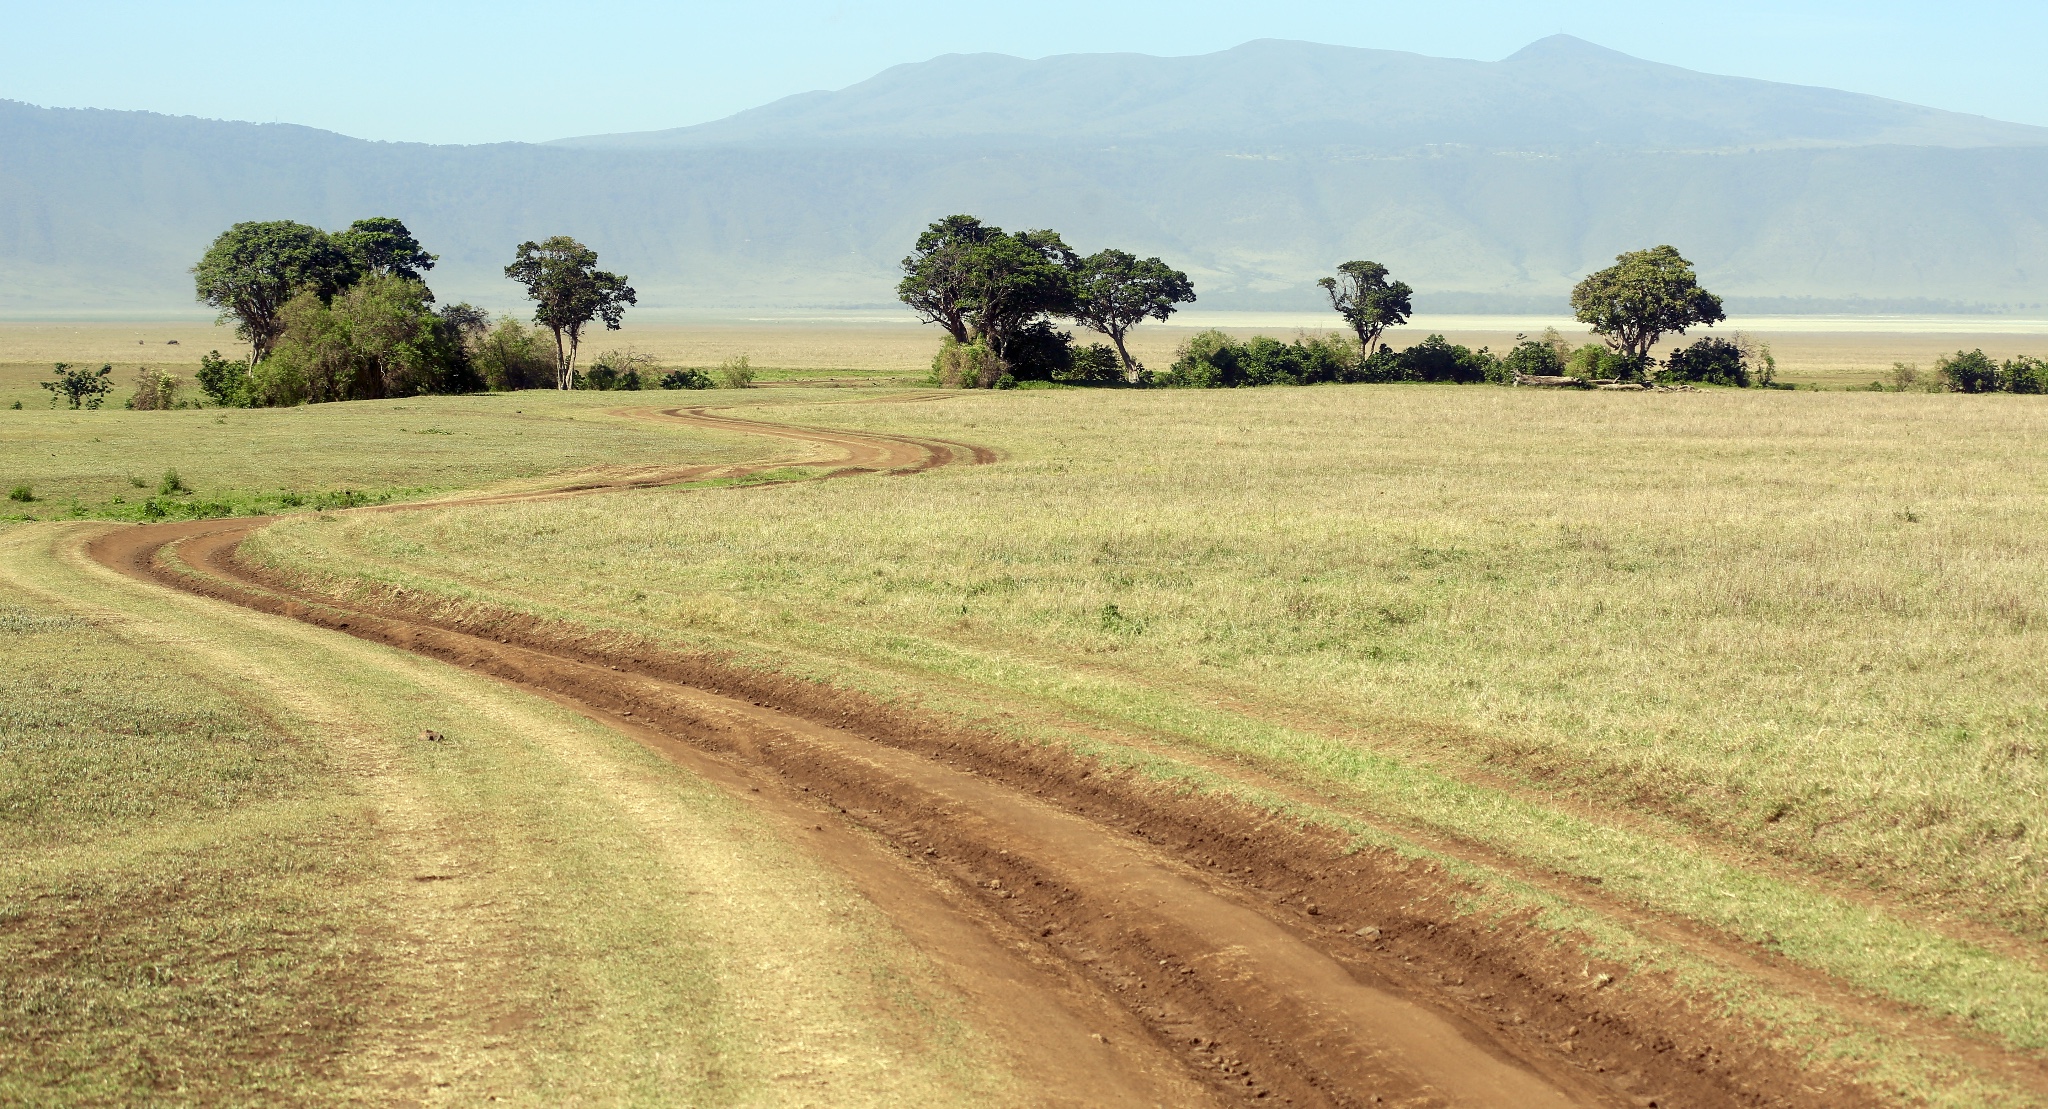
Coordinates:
[1740,655]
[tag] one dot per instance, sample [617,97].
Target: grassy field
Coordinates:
[111,463]
[232,872]
[1765,661]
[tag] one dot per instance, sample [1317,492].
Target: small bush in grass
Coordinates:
[21,493]
[736,373]
[172,484]
[2023,375]
[965,365]
[155,390]
[1970,372]
[686,378]
[1711,361]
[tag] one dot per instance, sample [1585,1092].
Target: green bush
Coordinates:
[512,356]
[965,365]
[22,494]
[1968,373]
[225,383]
[172,484]
[1531,358]
[736,373]
[1710,361]
[2023,375]
[1438,359]
[686,378]
[1214,360]
[83,388]
[1094,364]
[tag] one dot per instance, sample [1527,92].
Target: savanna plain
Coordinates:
[1688,747]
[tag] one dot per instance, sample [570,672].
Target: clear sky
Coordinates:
[460,71]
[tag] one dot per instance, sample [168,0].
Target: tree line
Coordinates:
[348,315]
[999,296]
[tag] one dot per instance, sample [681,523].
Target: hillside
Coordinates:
[1484,184]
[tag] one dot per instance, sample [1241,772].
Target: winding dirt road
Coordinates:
[1137,948]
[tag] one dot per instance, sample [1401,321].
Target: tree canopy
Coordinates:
[253,269]
[1115,290]
[1644,296]
[569,291]
[1368,302]
[382,245]
[934,275]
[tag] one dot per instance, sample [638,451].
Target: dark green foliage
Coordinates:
[380,338]
[512,356]
[568,293]
[1094,364]
[225,383]
[1594,362]
[2023,375]
[254,269]
[934,281]
[687,378]
[1038,352]
[619,369]
[1214,360]
[1710,361]
[22,494]
[172,485]
[1114,291]
[382,245]
[82,388]
[1439,359]
[1367,300]
[1532,358]
[1968,373]
[1644,296]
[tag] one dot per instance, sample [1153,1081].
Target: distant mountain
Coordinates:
[1560,93]
[1484,184]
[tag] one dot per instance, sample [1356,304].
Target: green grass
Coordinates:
[109,464]
[1750,659]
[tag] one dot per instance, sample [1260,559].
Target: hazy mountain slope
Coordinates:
[105,211]
[1560,92]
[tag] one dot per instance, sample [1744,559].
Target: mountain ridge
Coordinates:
[102,210]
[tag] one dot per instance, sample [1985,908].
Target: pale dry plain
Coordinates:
[1714,717]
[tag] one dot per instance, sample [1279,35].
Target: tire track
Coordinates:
[1250,1001]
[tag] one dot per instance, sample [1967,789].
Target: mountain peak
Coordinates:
[1569,48]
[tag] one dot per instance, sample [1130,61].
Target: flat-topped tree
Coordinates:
[1368,302]
[384,245]
[1644,296]
[254,269]
[934,281]
[568,292]
[1115,291]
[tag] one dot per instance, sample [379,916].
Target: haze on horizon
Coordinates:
[472,72]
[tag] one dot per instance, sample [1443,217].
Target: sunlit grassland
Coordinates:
[111,463]
[233,872]
[1736,655]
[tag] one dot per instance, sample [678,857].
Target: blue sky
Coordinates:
[485,72]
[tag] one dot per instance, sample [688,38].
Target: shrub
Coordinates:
[172,484]
[1710,361]
[1438,359]
[1906,377]
[1968,373]
[1039,352]
[1532,358]
[155,390]
[83,388]
[618,369]
[1094,364]
[225,383]
[21,493]
[2023,375]
[1594,362]
[512,356]
[686,378]
[965,365]
[736,373]
[1214,360]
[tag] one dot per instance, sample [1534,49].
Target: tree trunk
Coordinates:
[561,360]
[1130,365]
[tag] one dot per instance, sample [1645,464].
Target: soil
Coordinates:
[1254,959]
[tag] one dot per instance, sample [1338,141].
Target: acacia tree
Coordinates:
[1114,291]
[934,276]
[383,245]
[569,291]
[1013,281]
[1368,301]
[1643,296]
[254,269]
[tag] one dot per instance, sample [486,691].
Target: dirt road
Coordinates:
[1134,947]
